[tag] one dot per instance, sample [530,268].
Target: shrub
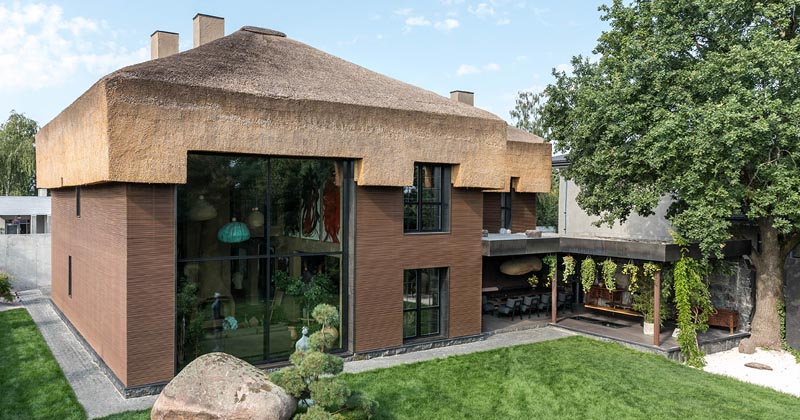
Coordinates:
[311,378]
[5,288]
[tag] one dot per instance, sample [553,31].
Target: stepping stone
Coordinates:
[756,365]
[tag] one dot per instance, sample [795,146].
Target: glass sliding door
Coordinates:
[260,243]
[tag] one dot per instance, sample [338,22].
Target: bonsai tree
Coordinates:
[311,378]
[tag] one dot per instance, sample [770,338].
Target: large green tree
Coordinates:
[17,155]
[698,100]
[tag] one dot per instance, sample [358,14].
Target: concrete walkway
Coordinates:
[94,390]
[496,341]
[99,398]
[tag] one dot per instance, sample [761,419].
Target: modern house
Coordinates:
[208,199]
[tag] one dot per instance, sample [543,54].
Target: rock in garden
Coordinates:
[756,365]
[220,386]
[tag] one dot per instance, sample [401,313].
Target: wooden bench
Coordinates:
[722,317]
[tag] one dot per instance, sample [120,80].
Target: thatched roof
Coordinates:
[262,62]
[258,92]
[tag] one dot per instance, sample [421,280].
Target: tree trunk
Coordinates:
[766,326]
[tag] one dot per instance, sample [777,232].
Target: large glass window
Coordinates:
[425,204]
[422,302]
[260,244]
[505,210]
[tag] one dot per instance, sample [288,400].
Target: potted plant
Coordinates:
[644,298]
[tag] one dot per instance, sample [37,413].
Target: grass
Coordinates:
[571,378]
[32,385]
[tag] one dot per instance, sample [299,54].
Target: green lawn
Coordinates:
[32,385]
[571,378]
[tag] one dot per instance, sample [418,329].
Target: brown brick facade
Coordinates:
[383,252]
[523,211]
[123,287]
[492,212]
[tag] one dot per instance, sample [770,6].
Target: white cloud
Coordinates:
[466,69]
[451,2]
[492,67]
[418,21]
[349,43]
[482,10]
[39,47]
[447,25]
[503,21]
[404,12]
[522,58]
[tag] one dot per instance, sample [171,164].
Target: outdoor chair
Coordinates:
[511,307]
[487,306]
[544,304]
[529,304]
[563,302]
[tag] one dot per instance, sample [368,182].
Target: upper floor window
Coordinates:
[426,202]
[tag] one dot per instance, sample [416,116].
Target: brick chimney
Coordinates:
[163,44]
[463,96]
[207,28]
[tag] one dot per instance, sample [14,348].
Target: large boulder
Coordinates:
[220,386]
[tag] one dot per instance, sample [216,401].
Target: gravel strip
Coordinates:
[784,376]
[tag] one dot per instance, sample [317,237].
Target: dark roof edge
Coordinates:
[205,15]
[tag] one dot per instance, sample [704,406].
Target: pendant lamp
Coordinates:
[233,232]
[255,219]
[202,211]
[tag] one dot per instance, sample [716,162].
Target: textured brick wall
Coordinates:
[383,252]
[491,212]
[123,265]
[151,283]
[97,243]
[523,211]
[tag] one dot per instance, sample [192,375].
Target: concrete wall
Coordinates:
[792,297]
[577,223]
[26,258]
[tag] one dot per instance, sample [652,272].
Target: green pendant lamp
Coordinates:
[233,232]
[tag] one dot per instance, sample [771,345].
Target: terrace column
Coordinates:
[657,309]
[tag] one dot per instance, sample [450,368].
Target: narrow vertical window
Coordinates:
[78,201]
[505,210]
[69,276]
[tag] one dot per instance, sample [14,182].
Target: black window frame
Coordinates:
[78,201]
[505,209]
[442,273]
[419,202]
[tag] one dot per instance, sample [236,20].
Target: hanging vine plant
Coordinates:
[552,264]
[568,264]
[609,269]
[588,273]
[632,271]
[693,301]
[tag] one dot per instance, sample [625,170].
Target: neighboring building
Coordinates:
[25,240]
[25,214]
[198,195]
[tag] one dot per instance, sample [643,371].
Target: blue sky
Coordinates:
[51,52]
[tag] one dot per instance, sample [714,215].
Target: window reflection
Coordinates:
[259,245]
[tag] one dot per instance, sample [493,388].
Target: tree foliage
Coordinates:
[17,155]
[697,101]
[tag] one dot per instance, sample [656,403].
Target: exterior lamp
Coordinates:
[233,232]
